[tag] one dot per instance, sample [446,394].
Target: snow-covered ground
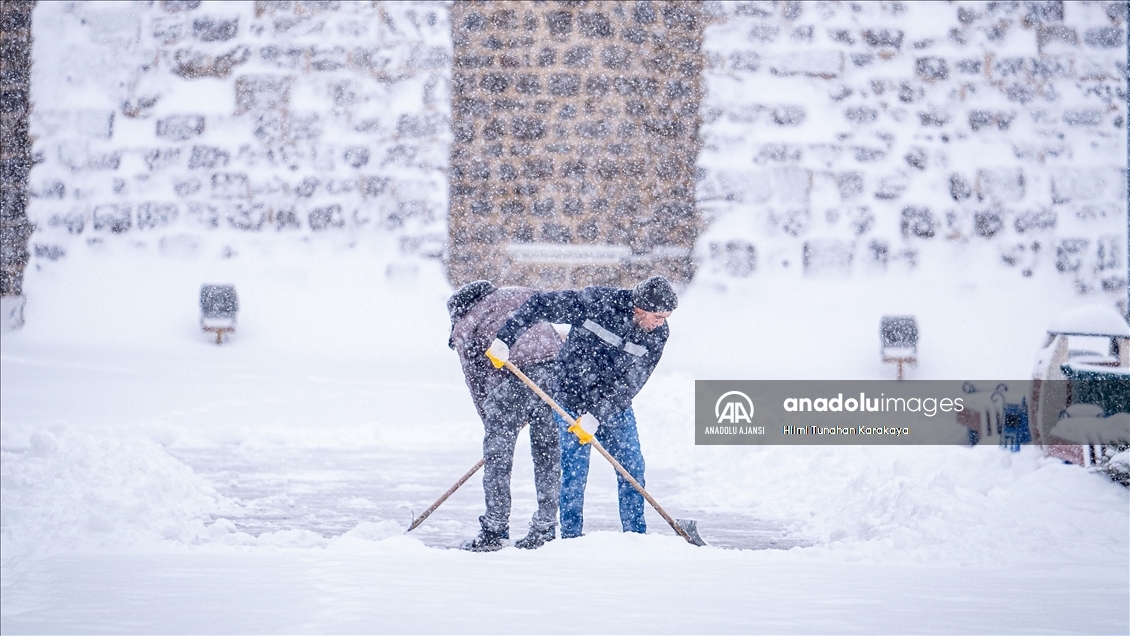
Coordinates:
[153,482]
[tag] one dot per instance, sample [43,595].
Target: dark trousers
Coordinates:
[507,407]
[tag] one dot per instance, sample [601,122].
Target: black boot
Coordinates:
[536,538]
[487,541]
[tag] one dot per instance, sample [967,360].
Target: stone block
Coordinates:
[916,158]
[1035,220]
[849,184]
[527,128]
[259,93]
[883,38]
[178,6]
[155,215]
[861,114]
[960,188]
[931,69]
[599,129]
[748,61]
[302,126]
[578,56]
[987,223]
[1000,185]
[1105,37]
[207,157]
[356,156]
[1078,184]
[328,59]
[49,252]
[825,64]
[737,258]
[187,187]
[935,118]
[112,218]
[791,185]
[95,124]
[213,29]
[228,185]
[892,186]
[161,158]
[1069,254]
[918,222]
[1037,12]
[594,24]
[1008,67]
[867,154]
[984,119]
[326,217]
[788,115]
[1056,37]
[192,64]
[1020,93]
[1086,117]
[180,127]
[47,190]
[564,84]
[248,216]
[827,257]
[969,66]
[1050,66]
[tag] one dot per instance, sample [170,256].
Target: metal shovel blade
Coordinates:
[690,526]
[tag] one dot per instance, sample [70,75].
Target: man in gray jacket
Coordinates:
[478,310]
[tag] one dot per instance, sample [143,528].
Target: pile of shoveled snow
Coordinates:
[69,488]
[937,504]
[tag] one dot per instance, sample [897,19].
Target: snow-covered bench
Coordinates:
[899,337]
[218,307]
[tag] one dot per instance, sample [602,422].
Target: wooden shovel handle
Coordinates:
[597,445]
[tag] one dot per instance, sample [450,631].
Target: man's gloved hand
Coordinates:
[585,428]
[499,353]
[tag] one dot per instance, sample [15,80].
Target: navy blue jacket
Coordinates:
[607,358]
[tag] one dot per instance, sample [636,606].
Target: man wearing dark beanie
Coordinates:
[617,338]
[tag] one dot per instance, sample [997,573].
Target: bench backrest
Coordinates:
[899,331]
[218,301]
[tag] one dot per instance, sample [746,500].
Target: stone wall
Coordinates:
[835,137]
[182,124]
[15,152]
[576,136]
[860,136]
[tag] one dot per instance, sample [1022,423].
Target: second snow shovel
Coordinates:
[685,528]
[450,491]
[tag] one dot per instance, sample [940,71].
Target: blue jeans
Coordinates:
[619,437]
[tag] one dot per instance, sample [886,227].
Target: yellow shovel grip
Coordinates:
[495,361]
[583,436]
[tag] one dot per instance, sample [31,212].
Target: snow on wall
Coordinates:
[158,121]
[858,135]
[837,136]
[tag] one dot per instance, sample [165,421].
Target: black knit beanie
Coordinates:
[468,295]
[655,294]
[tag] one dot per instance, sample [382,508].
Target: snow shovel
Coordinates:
[450,491]
[685,528]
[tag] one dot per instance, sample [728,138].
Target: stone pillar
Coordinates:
[15,155]
[575,140]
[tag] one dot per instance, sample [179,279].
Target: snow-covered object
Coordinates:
[1113,429]
[1092,320]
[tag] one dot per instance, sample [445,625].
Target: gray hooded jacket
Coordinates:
[472,334]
